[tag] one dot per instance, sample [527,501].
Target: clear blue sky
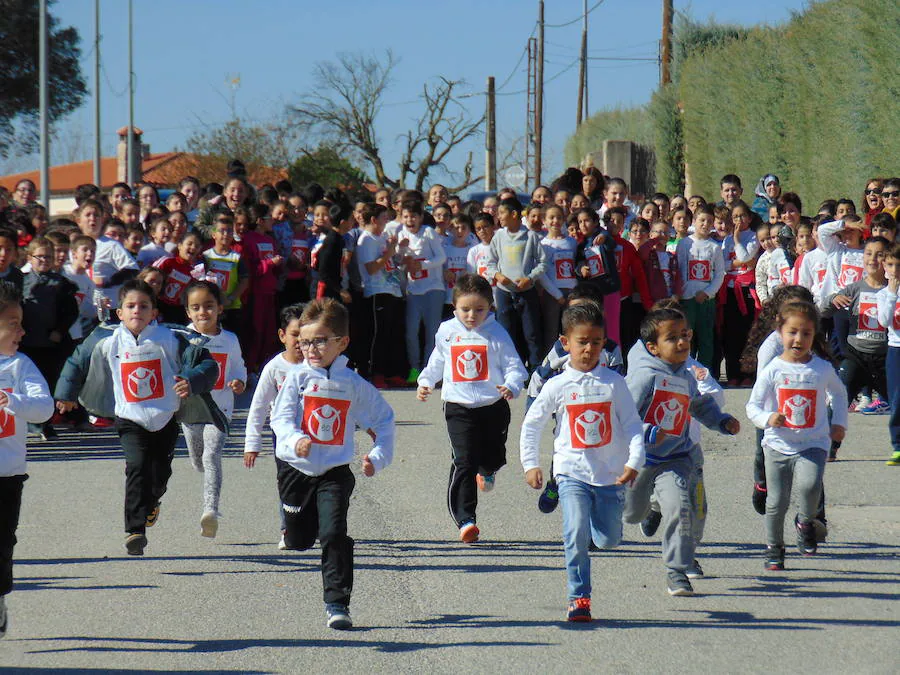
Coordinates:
[186,49]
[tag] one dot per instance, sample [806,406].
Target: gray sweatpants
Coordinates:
[805,470]
[671,481]
[699,501]
[205,443]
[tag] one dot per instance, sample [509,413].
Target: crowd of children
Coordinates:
[152,317]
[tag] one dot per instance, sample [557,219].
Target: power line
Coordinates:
[548,81]
[655,59]
[580,17]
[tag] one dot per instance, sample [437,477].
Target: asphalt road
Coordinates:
[425,603]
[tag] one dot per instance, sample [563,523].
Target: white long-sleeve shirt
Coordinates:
[889,314]
[744,247]
[111,257]
[812,273]
[29,401]
[560,264]
[226,350]
[598,430]
[844,265]
[473,363]
[325,406]
[798,391]
[702,266]
[427,248]
[270,380]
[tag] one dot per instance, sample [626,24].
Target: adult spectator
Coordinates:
[768,191]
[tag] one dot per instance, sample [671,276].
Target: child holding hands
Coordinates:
[598,448]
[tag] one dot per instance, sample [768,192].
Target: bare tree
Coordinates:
[344,104]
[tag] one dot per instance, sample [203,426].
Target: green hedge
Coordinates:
[814,101]
[621,124]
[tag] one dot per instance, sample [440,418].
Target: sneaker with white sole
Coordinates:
[209,524]
[485,481]
[679,585]
[282,544]
[694,571]
[338,616]
[876,407]
[860,403]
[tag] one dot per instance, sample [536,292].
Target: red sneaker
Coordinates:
[396,382]
[378,382]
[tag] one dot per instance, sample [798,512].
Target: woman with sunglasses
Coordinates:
[872,199]
[890,196]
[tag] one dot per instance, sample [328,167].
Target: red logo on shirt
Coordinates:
[142,381]
[868,317]
[595,263]
[564,268]
[699,270]
[300,250]
[798,407]
[669,411]
[456,273]
[850,274]
[421,274]
[325,419]
[175,285]
[7,421]
[785,274]
[222,361]
[469,363]
[589,424]
[897,317]
[219,277]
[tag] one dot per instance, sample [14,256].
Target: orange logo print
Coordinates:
[699,270]
[142,381]
[325,419]
[798,407]
[469,362]
[7,421]
[669,411]
[589,425]
[222,361]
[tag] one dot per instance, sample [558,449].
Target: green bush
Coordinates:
[620,124]
[814,101]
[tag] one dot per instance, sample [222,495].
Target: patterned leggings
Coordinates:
[205,443]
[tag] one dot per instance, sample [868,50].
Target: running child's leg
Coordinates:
[148,466]
[299,506]
[332,502]
[607,504]
[193,439]
[809,469]
[673,491]
[780,478]
[576,500]
[638,495]
[491,423]
[213,445]
[462,495]
[10,507]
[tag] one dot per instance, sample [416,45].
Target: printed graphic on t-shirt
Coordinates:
[469,362]
[897,317]
[868,314]
[850,274]
[820,275]
[7,420]
[798,407]
[221,360]
[421,274]
[668,408]
[142,380]
[325,419]
[266,250]
[565,266]
[699,270]
[785,275]
[455,273]
[589,424]
[300,250]
[594,260]
[175,285]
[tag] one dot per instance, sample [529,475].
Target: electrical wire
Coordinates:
[575,20]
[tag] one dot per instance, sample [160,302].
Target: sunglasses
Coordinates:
[890,195]
[873,191]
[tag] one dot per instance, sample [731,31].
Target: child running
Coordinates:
[889,317]
[789,402]
[667,398]
[477,361]
[205,442]
[598,448]
[24,397]
[315,414]
[140,373]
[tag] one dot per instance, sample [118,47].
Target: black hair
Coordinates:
[7,233]
[138,286]
[885,220]
[731,178]
[9,295]
[578,315]
[512,204]
[202,284]
[84,192]
[654,319]
[472,284]
[291,313]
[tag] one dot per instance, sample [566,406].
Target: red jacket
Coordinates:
[656,279]
[258,251]
[631,272]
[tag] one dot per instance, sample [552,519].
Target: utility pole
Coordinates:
[490,148]
[130,149]
[44,101]
[539,97]
[97,149]
[582,72]
[665,76]
[530,108]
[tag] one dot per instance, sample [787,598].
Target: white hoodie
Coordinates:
[226,350]
[473,363]
[598,430]
[29,401]
[326,406]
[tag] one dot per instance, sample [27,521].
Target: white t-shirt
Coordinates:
[386,280]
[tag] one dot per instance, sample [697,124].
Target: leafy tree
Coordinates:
[328,167]
[20,74]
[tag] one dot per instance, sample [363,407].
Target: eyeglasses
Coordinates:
[890,195]
[873,191]
[42,257]
[318,342]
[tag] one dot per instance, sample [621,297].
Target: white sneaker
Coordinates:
[4,619]
[209,524]
[282,546]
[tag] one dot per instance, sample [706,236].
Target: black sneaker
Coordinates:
[806,537]
[679,585]
[338,616]
[650,524]
[820,525]
[153,516]
[775,558]
[135,543]
[759,498]
[549,499]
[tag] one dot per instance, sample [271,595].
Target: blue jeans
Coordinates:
[522,308]
[424,309]
[589,513]
[893,394]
